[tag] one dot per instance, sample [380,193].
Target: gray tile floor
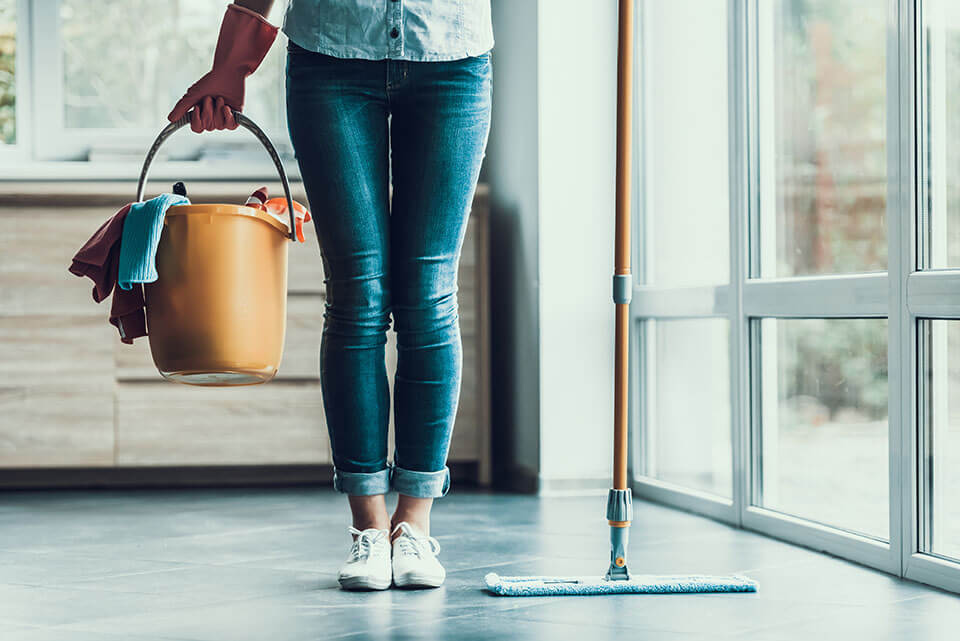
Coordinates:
[260,564]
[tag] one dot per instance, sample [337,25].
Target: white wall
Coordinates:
[578,92]
[550,164]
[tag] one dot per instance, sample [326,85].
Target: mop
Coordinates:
[619,580]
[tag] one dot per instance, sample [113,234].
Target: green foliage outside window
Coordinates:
[8,52]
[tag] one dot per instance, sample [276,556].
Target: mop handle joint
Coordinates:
[620,506]
[622,288]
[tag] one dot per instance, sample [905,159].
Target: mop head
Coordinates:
[638,584]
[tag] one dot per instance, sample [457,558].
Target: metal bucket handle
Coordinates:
[244,122]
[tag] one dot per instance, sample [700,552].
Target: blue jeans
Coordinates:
[354,123]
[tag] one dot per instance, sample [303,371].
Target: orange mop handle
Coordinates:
[622,275]
[619,501]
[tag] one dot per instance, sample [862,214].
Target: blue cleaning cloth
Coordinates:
[593,585]
[141,235]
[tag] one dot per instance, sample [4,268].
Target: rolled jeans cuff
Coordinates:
[361,483]
[420,484]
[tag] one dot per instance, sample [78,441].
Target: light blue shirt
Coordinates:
[416,30]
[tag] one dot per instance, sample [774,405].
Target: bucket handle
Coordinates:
[244,122]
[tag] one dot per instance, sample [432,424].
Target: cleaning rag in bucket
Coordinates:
[98,260]
[277,207]
[141,235]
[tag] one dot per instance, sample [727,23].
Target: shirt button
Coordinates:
[394,32]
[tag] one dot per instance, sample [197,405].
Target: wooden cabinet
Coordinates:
[72,395]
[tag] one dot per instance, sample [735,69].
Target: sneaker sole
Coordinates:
[364,583]
[418,581]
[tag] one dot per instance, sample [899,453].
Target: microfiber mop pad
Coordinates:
[637,584]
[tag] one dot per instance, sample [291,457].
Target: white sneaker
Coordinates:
[415,562]
[368,566]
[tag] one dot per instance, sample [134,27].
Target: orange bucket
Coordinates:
[216,315]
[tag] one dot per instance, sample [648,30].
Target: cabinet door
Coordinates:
[56,363]
[170,424]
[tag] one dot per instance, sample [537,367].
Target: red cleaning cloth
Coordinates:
[99,259]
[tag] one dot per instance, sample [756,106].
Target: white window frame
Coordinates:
[46,149]
[903,294]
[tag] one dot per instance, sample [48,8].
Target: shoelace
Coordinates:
[410,541]
[364,542]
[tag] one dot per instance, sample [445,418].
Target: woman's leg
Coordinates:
[337,114]
[440,122]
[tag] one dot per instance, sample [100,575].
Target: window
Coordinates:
[933,291]
[940,202]
[941,446]
[687,180]
[798,199]
[685,248]
[823,389]
[130,78]
[822,444]
[107,73]
[8,72]
[689,444]
[822,157]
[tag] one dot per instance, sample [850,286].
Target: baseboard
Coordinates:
[517,479]
[461,472]
[569,487]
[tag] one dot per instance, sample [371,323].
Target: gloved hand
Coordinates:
[245,37]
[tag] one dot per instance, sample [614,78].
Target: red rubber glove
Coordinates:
[245,37]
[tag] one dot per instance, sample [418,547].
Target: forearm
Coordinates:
[260,6]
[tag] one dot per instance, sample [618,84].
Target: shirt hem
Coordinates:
[345,51]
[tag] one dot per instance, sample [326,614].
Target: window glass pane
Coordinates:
[125,64]
[822,118]
[824,421]
[8,57]
[942,443]
[940,92]
[686,186]
[689,404]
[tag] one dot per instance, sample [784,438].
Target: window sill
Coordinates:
[185,170]
[115,193]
